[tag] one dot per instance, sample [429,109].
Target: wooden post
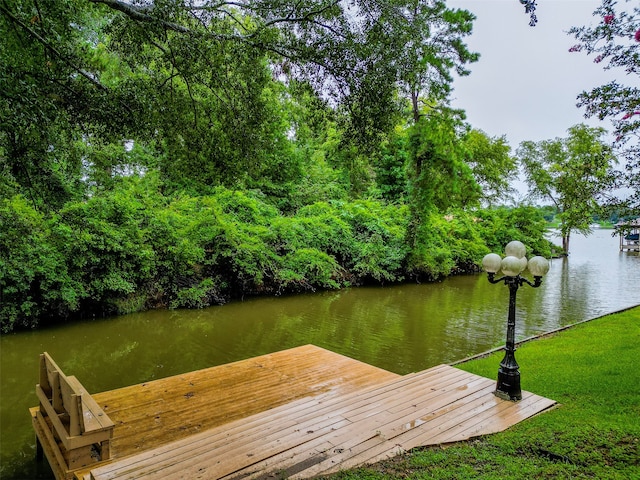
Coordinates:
[39,450]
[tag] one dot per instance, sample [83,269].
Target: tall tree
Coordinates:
[47,91]
[439,178]
[615,43]
[574,173]
[198,81]
[491,163]
[431,37]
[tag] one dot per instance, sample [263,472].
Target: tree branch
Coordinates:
[52,49]
[139,14]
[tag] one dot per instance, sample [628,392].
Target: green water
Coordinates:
[401,328]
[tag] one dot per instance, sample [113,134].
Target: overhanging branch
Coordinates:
[139,14]
[51,48]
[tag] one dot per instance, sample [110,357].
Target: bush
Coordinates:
[34,280]
[431,256]
[308,269]
[379,246]
[132,248]
[105,247]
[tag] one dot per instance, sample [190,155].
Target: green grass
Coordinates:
[593,371]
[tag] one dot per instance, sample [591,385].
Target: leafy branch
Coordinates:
[65,59]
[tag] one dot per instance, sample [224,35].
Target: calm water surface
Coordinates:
[400,328]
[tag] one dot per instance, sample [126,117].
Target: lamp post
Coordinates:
[512,265]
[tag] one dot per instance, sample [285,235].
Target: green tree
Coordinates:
[440,178]
[491,164]
[431,40]
[574,173]
[45,94]
[203,86]
[391,166]
[615,43]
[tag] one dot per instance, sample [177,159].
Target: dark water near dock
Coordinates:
[400,328]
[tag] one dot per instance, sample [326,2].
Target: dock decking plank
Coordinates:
[483,418]
[303,411]
[346,443]
[172,408]
[391,428]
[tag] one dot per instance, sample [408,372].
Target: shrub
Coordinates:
[308,269]
[500,225]
[34,280]
[105,248]
[131,248]
[379,246]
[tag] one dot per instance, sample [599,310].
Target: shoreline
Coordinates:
[486,353]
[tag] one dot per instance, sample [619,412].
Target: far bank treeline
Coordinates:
[131,249]
[168,154]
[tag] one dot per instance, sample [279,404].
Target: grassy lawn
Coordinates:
[593,371]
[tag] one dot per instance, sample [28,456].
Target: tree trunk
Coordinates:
[565,242]
[415,106]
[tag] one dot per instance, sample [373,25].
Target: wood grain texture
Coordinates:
[300,413]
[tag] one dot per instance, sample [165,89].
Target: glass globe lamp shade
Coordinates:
[515,249]
[491,262]
[538,266]
[523,264]
[511,266]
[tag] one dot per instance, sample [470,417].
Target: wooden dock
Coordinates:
[297,413]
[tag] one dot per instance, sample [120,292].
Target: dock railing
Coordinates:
[76,429]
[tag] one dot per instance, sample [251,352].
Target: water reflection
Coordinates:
[401,328]
[596,279]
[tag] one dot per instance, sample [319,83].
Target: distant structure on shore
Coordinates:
[629,232]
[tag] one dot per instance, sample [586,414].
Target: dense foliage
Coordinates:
[179,154]
[133,248]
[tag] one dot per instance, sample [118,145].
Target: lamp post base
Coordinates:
[506,396]
[508,387]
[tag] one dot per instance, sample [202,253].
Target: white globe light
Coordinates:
[538,266]
[523,264]
[515,249]
[491,262]
[511,266]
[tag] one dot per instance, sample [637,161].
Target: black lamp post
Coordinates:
[514,263]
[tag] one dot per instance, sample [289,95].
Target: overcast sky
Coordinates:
[526,82]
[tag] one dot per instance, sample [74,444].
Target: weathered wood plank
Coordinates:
[48,443]
[378,426]
[306,371]
[399,439]
[305,463]
[182,405]
[327,446]
[286,425]
[482,416]
[93,417]
[303,411]
[385,430]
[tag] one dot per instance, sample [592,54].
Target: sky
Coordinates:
[526,82]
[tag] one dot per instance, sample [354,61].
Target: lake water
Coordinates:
[401,328]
